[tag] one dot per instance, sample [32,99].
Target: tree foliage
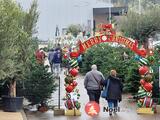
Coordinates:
[16,44]
[141,26]
[39,84]
[74,30]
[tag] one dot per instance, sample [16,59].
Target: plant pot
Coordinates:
[12,104]
[43,109]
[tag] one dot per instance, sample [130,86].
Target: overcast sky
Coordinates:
[61,13]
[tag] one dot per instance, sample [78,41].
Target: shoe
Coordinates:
[110,113]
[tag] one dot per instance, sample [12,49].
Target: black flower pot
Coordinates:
[12,104]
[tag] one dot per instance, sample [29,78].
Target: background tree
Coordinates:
[141,26]
[74,29]
[30,19]
[132,78]
[16,43]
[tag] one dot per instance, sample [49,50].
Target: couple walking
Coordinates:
[93,81]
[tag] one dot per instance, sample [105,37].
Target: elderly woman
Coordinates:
[114,91]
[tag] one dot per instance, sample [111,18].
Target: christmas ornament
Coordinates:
[148,78]
[143,61]
[74,54]
[69,79]
[74,83]
[149,94]
[148,102]
[148,86]
[65,56]
[69,104]
[141,93]
[150,70]
[140,102]
[151,59]
[143,70]
[69,88]
[73,72]
[137,57]
[73,63]
[77,105]
[142,82]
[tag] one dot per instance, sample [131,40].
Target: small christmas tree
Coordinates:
[39,84]
[132,79]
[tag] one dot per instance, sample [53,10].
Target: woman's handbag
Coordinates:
[105,91]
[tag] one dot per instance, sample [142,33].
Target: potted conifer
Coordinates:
[39,86]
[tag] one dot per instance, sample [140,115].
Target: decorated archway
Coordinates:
[108,34]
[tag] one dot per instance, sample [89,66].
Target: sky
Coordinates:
[62,13]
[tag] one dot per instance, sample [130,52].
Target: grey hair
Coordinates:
[94,67]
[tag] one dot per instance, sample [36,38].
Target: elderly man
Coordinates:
[92,82]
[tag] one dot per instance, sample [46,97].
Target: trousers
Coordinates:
[94,95]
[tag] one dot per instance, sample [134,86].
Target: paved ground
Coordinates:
[127,108]
[10,115]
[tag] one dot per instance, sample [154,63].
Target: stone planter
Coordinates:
[12,104]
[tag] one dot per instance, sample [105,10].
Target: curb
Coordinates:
[23,115]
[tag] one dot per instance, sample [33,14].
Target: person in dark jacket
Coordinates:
[114,94]
[92,83]
[57,59]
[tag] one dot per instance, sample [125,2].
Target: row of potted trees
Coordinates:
[20,75]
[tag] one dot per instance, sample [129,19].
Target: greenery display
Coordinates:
[132,78]
[141,26]
[155,67]
[108,57]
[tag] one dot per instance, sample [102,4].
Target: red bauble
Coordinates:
[65,56]
[74,83]
[148,86]
[142,82]
[74,54]
[143,70]
[69,104]
[69,88]
[73,72]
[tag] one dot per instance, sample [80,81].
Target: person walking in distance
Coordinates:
[40,56]
[57,59]
[114,92]
[92,82]
[50,58]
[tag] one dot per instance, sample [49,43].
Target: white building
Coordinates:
[63,13]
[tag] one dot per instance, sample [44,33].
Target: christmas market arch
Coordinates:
[109,35]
